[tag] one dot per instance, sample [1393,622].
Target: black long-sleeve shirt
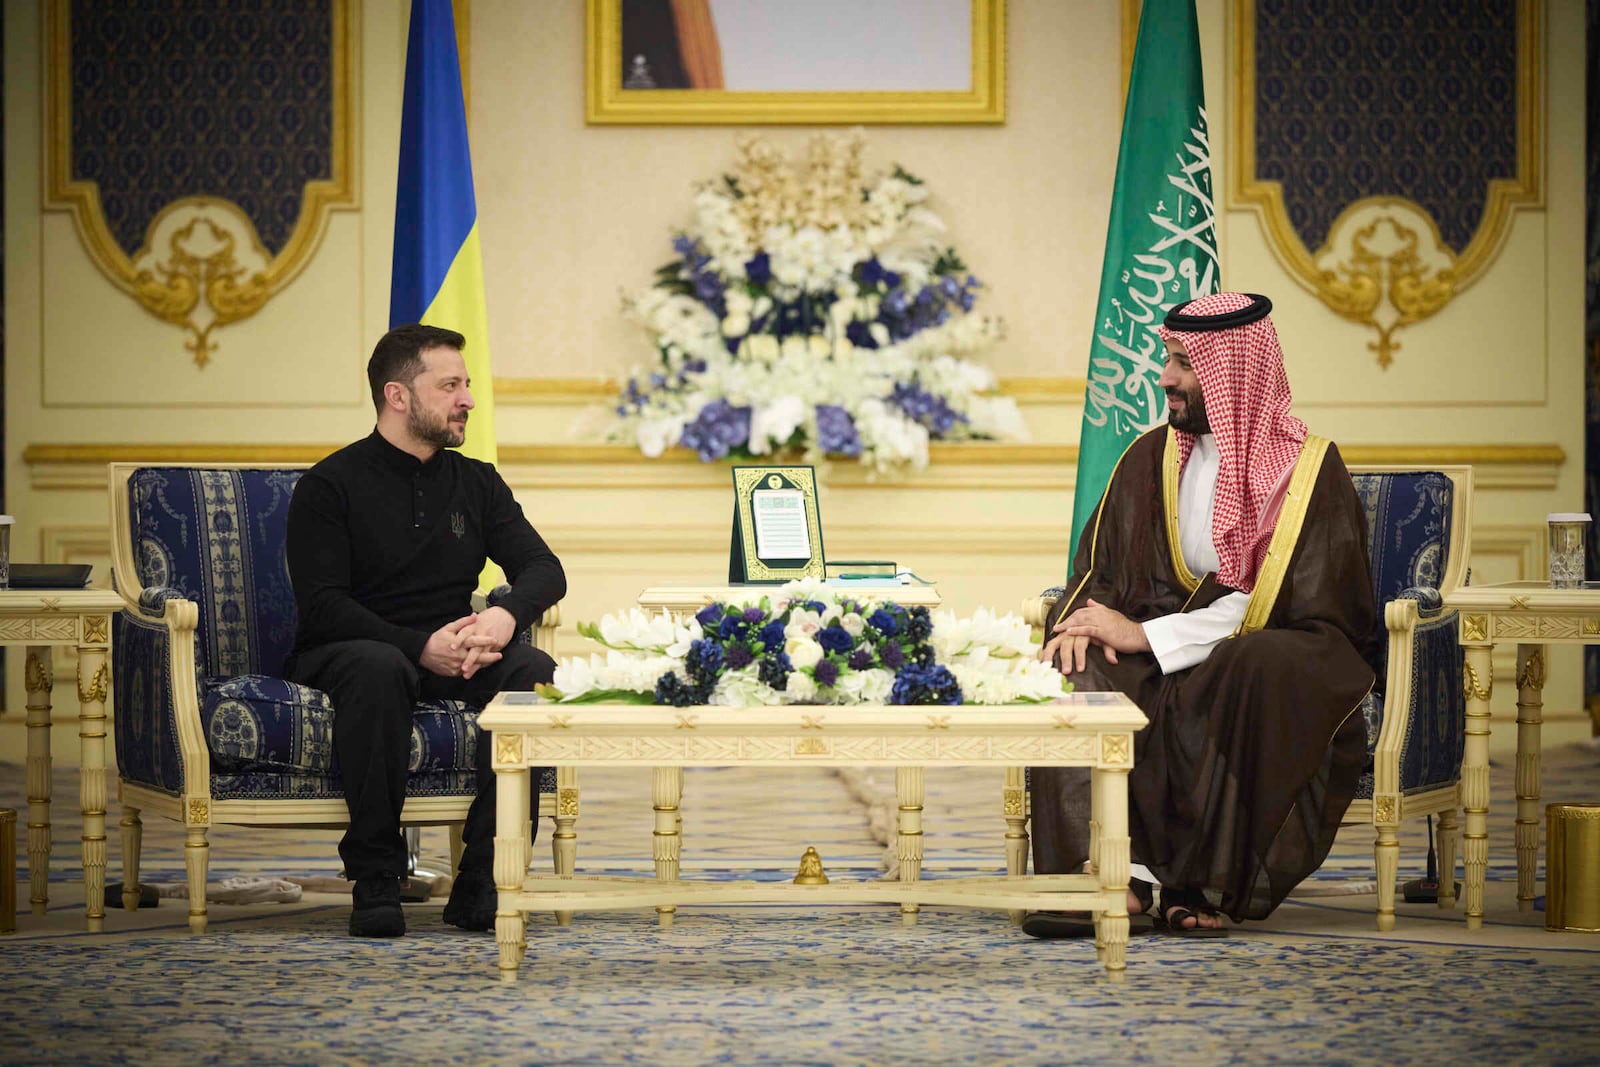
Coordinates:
[384,546]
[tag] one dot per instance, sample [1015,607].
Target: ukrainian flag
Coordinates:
[438,265]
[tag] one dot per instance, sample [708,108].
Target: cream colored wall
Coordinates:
[571,215]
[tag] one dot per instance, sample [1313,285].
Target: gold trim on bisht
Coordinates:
[1286,534]
[1171,469]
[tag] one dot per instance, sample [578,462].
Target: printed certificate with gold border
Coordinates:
[777,525]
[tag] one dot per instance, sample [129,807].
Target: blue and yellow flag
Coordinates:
[1161,244]
[438,265]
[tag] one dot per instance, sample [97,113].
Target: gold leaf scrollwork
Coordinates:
[95,627]
[99,685]
[199,811]
[1012,802]
[938,722]
[201,259]
[1383,808]
[1531,676]
[37,678]
[1474,627]
[1114,748]
[811,746]
[1474,690]
[567,802]
[1385,281]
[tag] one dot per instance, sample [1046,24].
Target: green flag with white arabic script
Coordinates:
[1161,245]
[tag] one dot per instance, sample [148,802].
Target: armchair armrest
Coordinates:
[160,741]
[1429,601]
[1421,731]
[1036,609]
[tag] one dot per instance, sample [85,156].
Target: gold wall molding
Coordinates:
[202,264]
[979,464]
[1383,264]
[537,392]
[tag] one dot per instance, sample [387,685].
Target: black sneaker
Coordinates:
[376,911]
[473,901]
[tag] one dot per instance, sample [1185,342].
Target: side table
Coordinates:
[41,620]
[1533,615]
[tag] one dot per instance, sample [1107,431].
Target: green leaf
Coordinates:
[611,696]
[906,176]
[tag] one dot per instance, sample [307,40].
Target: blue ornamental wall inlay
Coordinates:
[175,98]
[1412,98]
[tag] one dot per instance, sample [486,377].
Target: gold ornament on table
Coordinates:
[811,872]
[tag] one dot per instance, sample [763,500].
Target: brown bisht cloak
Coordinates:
[1251,757]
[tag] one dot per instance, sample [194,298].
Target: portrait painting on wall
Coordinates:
[775,61]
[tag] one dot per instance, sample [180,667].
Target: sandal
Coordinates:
[1076,924]
[1180,906]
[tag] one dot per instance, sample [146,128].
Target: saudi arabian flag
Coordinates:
[1161,245]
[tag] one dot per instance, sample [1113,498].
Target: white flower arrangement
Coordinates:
[815,310]
[808,643]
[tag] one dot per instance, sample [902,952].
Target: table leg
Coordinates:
[910,789]
[1110,787]
[1478,682]
[512,812]
[1015,808]
[564,842]
[94,682]
[1097,803]
[39,679]
[666,838]
[1530,717]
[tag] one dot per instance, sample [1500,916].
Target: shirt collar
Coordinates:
[398,459]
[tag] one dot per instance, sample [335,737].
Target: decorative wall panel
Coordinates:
[1393,138]
[199,145]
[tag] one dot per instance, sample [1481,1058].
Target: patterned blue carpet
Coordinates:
[772,985]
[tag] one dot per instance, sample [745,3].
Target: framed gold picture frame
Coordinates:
[624,89]
[777,525]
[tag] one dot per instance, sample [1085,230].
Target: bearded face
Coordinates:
[441,428]
[1186,410]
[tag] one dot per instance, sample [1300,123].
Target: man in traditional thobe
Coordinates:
[1223,585]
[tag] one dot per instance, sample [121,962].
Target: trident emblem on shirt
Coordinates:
[458,525]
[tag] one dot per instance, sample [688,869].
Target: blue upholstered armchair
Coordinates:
[206,733]
[1418,522]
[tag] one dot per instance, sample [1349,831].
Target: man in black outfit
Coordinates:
[387,538]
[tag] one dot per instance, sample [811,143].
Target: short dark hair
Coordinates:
[398,355]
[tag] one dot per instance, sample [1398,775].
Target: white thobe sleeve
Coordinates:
[1182,640]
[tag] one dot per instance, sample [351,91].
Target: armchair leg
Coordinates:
[1014,807]
[132,839]
[196,858]
[1447,858]
[1387,857]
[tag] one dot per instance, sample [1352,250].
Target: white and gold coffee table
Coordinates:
[1092,730]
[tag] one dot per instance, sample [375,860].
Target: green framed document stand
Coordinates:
[777,526]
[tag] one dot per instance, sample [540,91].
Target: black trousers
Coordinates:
[373,687]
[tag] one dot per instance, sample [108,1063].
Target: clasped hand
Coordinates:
[459,649]
[1092,624]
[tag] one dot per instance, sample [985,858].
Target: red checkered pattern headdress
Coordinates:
[1234,351]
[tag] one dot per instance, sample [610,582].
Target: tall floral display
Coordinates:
[809,307]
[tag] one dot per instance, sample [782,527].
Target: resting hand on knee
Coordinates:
[444,655]
[483,638]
